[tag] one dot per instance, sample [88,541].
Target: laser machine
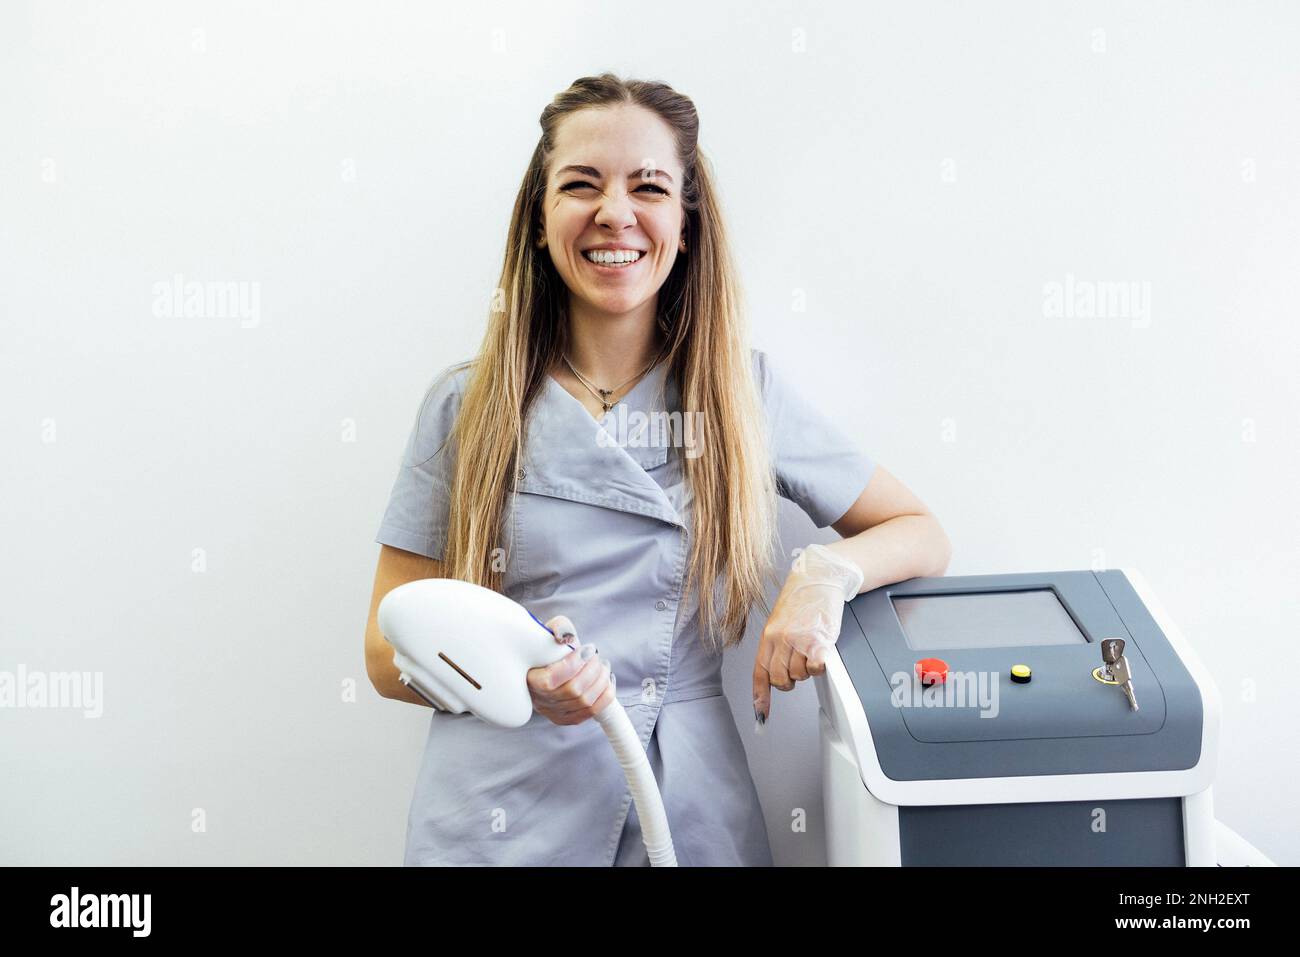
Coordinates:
[1055,718]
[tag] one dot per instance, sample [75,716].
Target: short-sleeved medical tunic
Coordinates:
[600,532]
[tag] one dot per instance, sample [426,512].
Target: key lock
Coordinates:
[1114,669]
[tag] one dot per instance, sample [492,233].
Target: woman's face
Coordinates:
[614,180]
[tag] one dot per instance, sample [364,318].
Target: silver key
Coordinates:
[1124,678]
[1112,650]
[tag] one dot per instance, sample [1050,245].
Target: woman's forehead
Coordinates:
[615,142]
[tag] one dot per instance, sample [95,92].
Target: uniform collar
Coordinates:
[570,455]
[630,420]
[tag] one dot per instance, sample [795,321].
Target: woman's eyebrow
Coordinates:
[595,173]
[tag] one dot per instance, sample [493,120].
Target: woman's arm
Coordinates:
[396,567]
[890,534]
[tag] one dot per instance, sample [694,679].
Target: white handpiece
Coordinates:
[463,647]
[467,648]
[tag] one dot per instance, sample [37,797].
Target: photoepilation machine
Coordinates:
[1055,718]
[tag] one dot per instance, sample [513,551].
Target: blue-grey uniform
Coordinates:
[599,531]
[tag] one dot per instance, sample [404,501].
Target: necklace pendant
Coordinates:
[605,393]
[606,406]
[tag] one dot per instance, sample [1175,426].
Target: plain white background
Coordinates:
[189,503]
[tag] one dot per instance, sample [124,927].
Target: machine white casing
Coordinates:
[861,803]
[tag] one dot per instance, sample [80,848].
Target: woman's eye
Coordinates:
[575,185]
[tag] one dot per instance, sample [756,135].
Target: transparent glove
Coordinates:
[578,686]
[804,624]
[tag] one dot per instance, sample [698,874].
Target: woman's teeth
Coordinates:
[617,257]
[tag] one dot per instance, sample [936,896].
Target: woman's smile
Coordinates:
[608,266]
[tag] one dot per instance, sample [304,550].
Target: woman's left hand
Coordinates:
[804,624]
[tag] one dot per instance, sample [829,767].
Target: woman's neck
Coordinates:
[609,352]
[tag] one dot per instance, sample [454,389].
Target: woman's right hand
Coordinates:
[576,687]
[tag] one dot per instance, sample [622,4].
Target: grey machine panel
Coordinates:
[1063,721]
[1146,832]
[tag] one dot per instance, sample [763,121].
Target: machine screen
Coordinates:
[1004,619]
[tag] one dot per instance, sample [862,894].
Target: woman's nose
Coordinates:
[615,210]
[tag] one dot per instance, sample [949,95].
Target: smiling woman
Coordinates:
[614,235]
[620,304]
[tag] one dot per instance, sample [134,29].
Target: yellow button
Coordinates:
[1021,673]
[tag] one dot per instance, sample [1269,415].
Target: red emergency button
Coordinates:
[932,671]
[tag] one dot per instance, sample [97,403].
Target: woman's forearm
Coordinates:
[905,546]
[383,674]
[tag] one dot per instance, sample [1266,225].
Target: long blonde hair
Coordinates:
[700,306]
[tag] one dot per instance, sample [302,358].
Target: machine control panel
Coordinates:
[1041,670]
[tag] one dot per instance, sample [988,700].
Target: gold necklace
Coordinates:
[604,394]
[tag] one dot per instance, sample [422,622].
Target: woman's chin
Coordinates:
[614,305]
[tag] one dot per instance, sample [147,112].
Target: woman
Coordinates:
[615,444]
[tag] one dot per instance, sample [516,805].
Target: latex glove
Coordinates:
[578,686]
[804,624]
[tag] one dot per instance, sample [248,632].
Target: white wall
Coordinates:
[914,174]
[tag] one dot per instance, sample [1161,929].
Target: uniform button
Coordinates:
[660,605]
[522,473]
